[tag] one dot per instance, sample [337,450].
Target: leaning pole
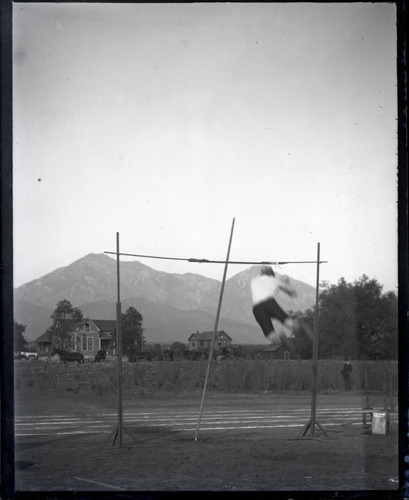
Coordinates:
[216,323]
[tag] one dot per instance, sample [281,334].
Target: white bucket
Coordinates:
[380,422]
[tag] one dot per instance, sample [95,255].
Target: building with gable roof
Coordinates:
[200,342]
[275,350]
[93,335]
[88,336]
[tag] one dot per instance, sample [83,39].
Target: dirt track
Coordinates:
[246,442]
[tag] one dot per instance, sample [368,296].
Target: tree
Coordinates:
[177,346]
[356,320]
[65,317]
[65,310]
[302,343]
[338,321]
[132,331]
[157,349]
[20,343]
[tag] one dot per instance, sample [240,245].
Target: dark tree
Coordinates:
[65,318]
[302,343]
[65,310]
[356,321]
[20,343]
[131,331]
[177,346]
[338,321]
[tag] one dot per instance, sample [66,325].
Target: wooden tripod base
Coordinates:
[311,426]
[115,435]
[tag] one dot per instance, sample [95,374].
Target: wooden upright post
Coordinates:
[313,421]
[119,344]
[118,431]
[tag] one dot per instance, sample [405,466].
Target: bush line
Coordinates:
[236,375]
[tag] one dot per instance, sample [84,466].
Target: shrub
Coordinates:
[230,375]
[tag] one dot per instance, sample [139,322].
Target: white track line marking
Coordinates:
[177,420]
[195,413]
[100,484]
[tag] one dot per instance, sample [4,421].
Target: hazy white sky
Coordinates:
[165,121]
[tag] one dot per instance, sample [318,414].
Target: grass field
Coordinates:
[249,440]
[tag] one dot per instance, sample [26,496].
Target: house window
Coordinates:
[87,327]
[87,344]
[193,344]
[286,354]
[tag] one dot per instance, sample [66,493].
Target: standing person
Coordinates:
[346,374]
[266,310]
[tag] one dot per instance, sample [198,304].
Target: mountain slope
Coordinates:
[36,318]
[93,278]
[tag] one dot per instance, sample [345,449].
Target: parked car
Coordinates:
[68,356]
[147,356]
[25,355]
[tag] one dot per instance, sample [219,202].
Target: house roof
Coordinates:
[272,347]
[105,335]
[104,325]
[207,335]
[45,337]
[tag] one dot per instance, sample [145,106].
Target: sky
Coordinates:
[164,122]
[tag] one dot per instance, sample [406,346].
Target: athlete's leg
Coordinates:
[284,333]
[263,318]
[301,326]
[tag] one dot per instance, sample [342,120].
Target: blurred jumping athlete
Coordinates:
[273,320]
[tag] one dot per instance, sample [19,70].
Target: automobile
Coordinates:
[68,356]
[25,355]
[145,355]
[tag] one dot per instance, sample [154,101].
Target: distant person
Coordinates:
[275,323]
[101,355]
[346,375]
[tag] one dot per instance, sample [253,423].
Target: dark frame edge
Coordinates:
[6,269]
[402,23]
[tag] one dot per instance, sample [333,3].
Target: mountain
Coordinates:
[172,305]
[36,318]
[93,278]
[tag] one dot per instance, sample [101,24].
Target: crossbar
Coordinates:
[209,261]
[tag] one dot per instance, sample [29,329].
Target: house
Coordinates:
[88,336]
[93,335]
[203,341]
[43,342]
[274,351]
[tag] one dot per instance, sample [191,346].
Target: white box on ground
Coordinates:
[380,422]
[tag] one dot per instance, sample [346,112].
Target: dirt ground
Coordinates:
[159,451]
